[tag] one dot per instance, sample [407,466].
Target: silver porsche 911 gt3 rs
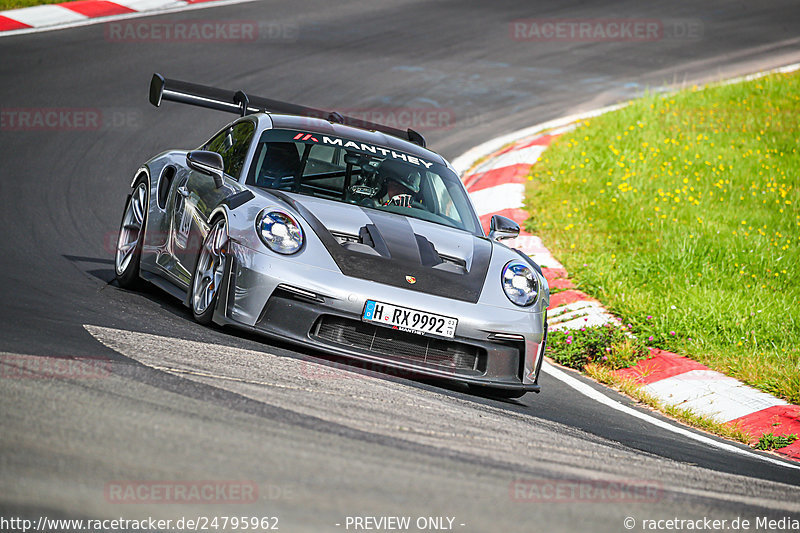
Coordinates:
[345,236]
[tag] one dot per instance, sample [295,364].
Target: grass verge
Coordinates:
[599,350]
[609,345]
[14,4]
[680,213]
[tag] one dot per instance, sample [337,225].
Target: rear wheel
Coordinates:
[209,271]
[131,236]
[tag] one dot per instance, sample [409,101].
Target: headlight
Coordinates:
[279,231]
[520,283]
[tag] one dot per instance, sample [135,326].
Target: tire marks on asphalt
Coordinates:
[455,425]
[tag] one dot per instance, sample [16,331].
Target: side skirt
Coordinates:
[164,285]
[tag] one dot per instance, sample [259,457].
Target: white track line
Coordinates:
[525,156]
[467,159]
[463,162]
[143,6]
[586,390]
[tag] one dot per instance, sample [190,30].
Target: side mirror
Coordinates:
[209,163]
[501,228]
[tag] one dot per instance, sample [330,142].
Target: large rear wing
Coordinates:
[243,104]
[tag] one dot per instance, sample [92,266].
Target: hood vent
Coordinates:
[388,251]
[369,241]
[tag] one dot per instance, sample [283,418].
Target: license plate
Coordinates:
[409,320]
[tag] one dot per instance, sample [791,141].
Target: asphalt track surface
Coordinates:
[323,440]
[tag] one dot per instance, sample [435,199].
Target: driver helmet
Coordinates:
[399,173]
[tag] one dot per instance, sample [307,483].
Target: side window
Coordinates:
[232,145]
[322,159]
[446,204]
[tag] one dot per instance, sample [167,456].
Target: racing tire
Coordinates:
[209,272]
[128,254]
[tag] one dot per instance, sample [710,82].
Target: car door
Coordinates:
[197,196]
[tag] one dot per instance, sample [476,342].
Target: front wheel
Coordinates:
[131,237]
[209,271]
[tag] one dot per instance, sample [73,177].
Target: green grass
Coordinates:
[14,4]
[607,345]
[770,441]
[680,213]
[600,350]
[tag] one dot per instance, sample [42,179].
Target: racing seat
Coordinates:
[280,161]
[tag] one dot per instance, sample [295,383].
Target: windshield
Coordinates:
[358,173]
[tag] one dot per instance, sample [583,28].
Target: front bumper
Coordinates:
[321,308]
